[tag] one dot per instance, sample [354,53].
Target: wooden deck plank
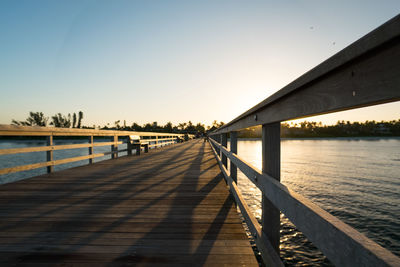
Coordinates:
[168,207]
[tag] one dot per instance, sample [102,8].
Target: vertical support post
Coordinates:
[114,148]
[129,145]
[91,148]
[156,141]
[233,137]
[271,165]
[49,154]
[137,147]
[146,148]
[217,139]
[224,143]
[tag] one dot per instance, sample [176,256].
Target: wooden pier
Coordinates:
[170,206]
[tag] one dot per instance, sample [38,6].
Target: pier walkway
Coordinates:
[170,206]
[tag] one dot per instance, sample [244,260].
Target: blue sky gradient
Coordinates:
[144,61]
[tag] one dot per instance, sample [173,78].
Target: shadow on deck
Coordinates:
[168,207]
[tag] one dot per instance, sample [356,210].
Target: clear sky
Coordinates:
[144,61]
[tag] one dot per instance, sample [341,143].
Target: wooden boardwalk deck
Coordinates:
[168,207]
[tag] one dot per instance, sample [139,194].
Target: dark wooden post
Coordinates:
[114,148]
[218,140]
[129,145]
[50,153]
[91,149]
[224,142]
[137,147]
[271,165]
[233,137]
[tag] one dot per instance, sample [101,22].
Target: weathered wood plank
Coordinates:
[15,130]
[49,163]
[108,259]
[333,237]
[9,151]
[268,252]
[271,165]
[168,206]
[233,168]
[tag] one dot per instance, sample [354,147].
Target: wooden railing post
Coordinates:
[49,154]
[129,145]
[114,147]
[138,148]
[233,138]
[218,140]
[224,143]
[91,148]
[271,165]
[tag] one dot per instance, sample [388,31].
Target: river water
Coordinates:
[355,179]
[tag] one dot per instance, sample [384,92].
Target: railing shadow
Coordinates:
[123,188]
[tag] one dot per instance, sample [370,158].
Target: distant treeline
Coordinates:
[184,127]
[341,129]
[58,120]
[75,121]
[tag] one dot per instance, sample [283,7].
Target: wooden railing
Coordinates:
[117,138]
[364,74]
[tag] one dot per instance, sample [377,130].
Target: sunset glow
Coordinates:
[175,61]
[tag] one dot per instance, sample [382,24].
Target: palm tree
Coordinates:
[80,117]
[34,119]
[74,120]
[61,121]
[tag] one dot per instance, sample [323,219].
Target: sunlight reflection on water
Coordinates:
[355,179]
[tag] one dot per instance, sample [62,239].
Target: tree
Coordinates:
[80,117]
[182,126]
[116,123]
[200,128]
[61,121]
[168,128]
[147,127]
[136,127]
[74,120]
[34,119]
[215,125]
[190,128]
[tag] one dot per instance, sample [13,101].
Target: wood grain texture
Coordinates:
[50,163]
[224,142]
[15,130]
[233,147]
[168,207]
[268,253]
[10,151]
[340,243]
[271,165]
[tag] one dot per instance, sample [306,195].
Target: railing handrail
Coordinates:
[158,139]
[16,130]
[326,231]
[365,73]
